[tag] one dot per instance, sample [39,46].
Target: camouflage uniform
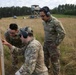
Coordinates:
[54,34]
[16,41]
[34,59]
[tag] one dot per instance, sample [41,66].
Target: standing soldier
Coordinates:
[12,36]
[33,54]
[54,34]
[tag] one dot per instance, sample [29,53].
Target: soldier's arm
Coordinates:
[60,33]
[13,49]
[30,61]
[18,51]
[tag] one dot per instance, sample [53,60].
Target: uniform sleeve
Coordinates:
[30,61]
[7,37]
[60,33]
[18,51]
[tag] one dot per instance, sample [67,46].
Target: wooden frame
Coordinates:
[2,72]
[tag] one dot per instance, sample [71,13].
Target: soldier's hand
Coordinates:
[4,42]
[7,44]
[17,73]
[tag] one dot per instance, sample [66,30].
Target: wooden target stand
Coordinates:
[0,67]
[2,72]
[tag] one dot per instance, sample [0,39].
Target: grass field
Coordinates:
[67,47]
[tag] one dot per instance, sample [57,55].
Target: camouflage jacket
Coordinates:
[34,58]
[16,41]
[54,31]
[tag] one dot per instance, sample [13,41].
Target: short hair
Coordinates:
[13,26]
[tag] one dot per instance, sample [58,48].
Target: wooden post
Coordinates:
[0,66]
[2,72]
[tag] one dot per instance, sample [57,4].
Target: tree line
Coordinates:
[14,11]
[67,9]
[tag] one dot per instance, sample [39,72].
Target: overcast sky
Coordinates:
[50,3]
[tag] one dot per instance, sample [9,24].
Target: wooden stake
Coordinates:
[2,72]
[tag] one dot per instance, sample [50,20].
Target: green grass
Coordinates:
[64,16]
[67,48]
[55,15]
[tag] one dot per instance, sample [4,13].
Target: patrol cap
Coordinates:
[26,31]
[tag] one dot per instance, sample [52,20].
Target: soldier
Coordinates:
[33,54]
[12,36]
[54,34]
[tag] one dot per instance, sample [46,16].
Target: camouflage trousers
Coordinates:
[14,61]
[52,54]
[43,73]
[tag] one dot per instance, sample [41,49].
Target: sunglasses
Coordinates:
[43,15]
